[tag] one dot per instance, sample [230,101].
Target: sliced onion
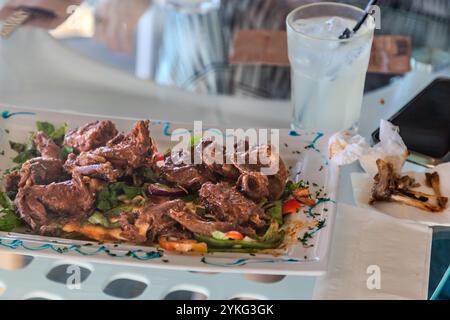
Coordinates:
[158,189]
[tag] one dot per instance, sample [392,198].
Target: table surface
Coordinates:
[59,81]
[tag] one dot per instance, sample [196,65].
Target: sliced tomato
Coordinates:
[183,245]
[234,235]
[291,206]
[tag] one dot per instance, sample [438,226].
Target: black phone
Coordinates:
[425,124]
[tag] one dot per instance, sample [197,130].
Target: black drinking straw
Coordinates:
[347,32]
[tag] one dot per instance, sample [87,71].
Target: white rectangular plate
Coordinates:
[305,154]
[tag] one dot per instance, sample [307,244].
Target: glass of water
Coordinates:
[328,74]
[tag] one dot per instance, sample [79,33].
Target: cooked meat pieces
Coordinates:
[197,225]
[147,224]
[433,181]
[413,202]
[152,222]
[250,178]
[11,181]
[390,187]
[51,194]
[217,160]
[218,164]
[119,157]
[228,205]
[40,171]
[91,136]
[406,182]
[46,147]
[261,179]
[129,152]
[188,176]
[385,184]
[36,171]
[92,166]
[254,185]
[40,204]
[183,172]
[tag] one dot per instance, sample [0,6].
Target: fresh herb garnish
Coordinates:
[27,150]
[147,174]
[119,209]
[58,134]
[8,218]
[99,219]
[23,157]
[190,197]
[107,199]
[291,187]
[310,234]
[18,147]
[12,169]
[276,212]
[273,233]
[65,151]
[45,127]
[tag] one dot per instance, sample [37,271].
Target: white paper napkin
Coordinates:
[366,241]
[362,185]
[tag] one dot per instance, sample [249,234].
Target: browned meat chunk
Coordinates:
[389,186]
[91,136]
[228,205]
[92,166]
[47,148]
[152,222]
[217,160]
[254,182]
[433,181]
[187,176]
[40,204]
[184,173]
[233,166]
[254,185]
[11,181]
[197,225]
[129,152]
[119,157]
[385,184]
[40,171]
[191,176]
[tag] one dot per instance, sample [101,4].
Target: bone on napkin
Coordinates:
[362,185]
[59,11]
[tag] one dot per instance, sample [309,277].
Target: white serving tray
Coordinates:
[305,153]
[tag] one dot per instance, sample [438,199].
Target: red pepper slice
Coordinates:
[183,245]
[291,206]
[159,157]
[234,235]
